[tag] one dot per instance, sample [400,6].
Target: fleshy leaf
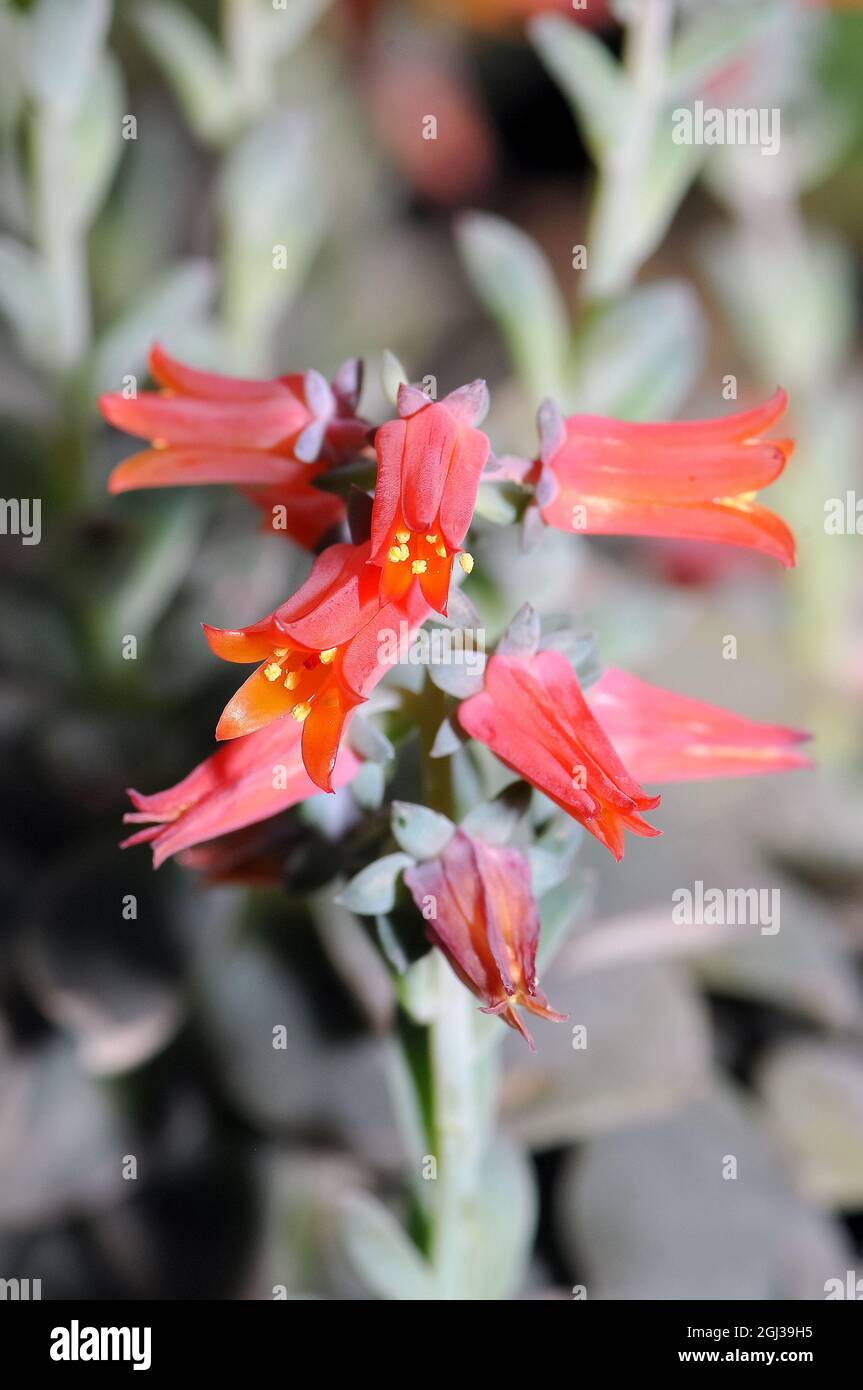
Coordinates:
[421,832]
[496,821]
[523,634]
[381,1253]
[515,283]
[448,740]
[373,890]
[590,77]
[368,742]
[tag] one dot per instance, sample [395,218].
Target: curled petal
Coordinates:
[188,381]
[241,784]
[730,523]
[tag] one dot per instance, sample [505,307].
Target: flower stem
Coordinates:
[457,1132]
[459,1071]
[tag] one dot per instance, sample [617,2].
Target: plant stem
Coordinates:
[613,264]
[460,1081]
[457,1131]
[61,240]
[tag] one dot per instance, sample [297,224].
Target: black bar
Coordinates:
[238,1336]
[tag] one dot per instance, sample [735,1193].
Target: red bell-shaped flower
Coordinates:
[479,909]
[429,465]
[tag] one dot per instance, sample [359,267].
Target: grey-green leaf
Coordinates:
[523,634]
[65,42]
[194,65]
[174,302]
[368,742]
[515,283]
[421,832]
[639,358]
[372,891]
[381,1253]
[588,75]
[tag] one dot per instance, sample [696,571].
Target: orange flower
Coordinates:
[429,465]
[533,716]
[321,653]
[693,479]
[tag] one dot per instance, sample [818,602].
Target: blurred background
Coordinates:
[153,1143]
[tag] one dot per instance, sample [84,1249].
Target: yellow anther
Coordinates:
[292,680]
[404,552]
[301,711]
[432,539]
[280,651]
[466,561]
[328,655]
[395,553]
[403,536]
[418,567]
[273,671]
[441,551]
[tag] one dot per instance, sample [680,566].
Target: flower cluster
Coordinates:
[318,656]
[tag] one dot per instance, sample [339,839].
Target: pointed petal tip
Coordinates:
[410,399]
[348,383]
[117,483]
[551,427]
[319,395]
[216,638]
[470,403]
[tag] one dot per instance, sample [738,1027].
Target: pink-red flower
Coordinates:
[480,911]
[665,737]
[269,438]
[695,479]
[533,716]
[320,654]
[242,783]
[429,465]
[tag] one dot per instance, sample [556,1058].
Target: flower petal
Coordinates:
[225,424]
[241,784]
[745,524]
[666,737]
[189,381]
[194,467]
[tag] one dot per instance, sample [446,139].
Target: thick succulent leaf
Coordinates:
[373,890]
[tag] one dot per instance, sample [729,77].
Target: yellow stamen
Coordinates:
[280,651]
[403,536]
[395,553]
[404,552]
[441,551]
[273,671]
[432,539]
[292,680]
[301,711]
[466,561]
[418,567]
[328,655]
